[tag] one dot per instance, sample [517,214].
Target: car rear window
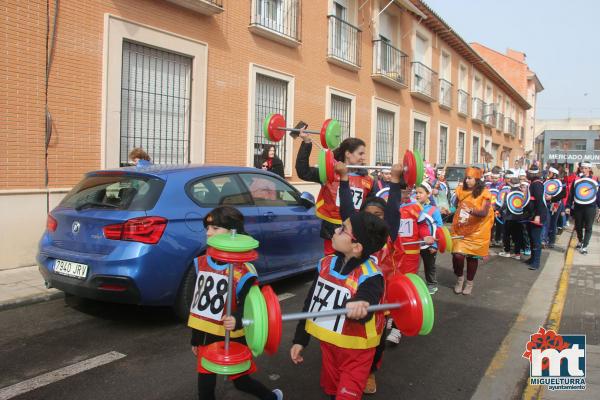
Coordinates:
[120,192]
[455,174]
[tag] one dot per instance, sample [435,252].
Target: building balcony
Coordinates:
[424,81]
[343,46]
[510,127]
[477,110]
[277,20]
[489,114]
[206,7]
[500,122]
[445,94]
[463,103]
[389,65]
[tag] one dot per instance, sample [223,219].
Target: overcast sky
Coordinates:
[560,38]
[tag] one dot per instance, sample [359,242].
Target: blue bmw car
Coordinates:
[130,235]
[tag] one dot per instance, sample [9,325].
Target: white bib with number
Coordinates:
[329,296]
[406,228]
[358,195]
[210,295]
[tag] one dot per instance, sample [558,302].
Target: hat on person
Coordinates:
[586,164]
[509,173]
[426,186]
[553,170]
[487,174]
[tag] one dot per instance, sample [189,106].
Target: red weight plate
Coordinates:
[330,165]
[323,134]
[237,353]
[274,312]
[410,168]
[441,240]
[409,317]
[227,256]
[276,121]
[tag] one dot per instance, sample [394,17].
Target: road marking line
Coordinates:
[285,296]
[57,375]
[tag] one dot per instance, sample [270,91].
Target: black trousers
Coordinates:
[513,232]
[208,382]
[584,219]
[429,264]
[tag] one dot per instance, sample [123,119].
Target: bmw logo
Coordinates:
[75,227]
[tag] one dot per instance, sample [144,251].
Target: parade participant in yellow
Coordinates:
[473,219]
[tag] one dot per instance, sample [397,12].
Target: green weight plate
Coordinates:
[322,167]
[426,304]
[420,167]
[331,132]
[265,128]
[226,369]
[233,243]
[255,310]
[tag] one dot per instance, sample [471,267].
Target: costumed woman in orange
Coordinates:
[473,219]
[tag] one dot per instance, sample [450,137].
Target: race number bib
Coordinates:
[357,197]
[463,216]
[210,295]
[406,228]
[329,296]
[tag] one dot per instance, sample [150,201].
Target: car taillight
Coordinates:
[144,229]
[51,223]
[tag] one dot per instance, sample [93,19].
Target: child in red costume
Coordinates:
[403,220]
[347,278]
[208,322]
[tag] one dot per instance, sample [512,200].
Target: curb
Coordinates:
[504,378]
[555,315]
[24,301]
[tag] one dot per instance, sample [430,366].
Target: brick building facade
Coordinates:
[192,80]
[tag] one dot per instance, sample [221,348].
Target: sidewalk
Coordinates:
[581,315]
[24,285]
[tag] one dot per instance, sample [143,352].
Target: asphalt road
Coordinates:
[158,363]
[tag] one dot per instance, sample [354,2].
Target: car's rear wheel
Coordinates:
[181,308]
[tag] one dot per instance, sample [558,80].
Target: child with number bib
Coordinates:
[403,220]
[207,313]
[348,278]
[351,151]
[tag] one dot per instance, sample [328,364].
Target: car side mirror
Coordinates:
[307,199]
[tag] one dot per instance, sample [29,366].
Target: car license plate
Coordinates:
[72,269]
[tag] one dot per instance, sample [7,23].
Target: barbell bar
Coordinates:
[330,134]
[422,241]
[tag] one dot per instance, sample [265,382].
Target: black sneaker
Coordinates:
[583,250]
[579,245]
[532,268]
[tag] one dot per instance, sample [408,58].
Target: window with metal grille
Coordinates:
[443,144]
[341,109]
[419,136]
[460,152]
[271,98]
[475,150]
[155,104]
[384,142]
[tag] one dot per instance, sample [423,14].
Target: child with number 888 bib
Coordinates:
[207,313]
[348,278]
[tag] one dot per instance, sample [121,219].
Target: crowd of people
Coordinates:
[376,227]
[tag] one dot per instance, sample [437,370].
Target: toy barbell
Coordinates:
[412,167]
[274,127]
